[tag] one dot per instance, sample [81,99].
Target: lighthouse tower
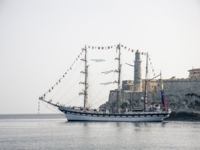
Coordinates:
[137,73]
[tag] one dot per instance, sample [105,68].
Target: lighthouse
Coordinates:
[137,73]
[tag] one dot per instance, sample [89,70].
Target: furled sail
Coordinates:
[98,60]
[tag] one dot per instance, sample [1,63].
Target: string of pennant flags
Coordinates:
[97,48]
[152,68]
[63,76]
[109,47]
[149,59]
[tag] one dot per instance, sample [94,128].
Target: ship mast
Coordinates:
[145,91]
[119,77]
[85,93]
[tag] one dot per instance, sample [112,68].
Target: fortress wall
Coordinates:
[175,91]
[181,87]
[134,98]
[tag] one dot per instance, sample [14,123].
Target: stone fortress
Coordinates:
[182,95]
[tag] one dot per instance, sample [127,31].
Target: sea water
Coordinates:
[53,132]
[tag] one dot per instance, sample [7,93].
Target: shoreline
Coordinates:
[183,116]
[174,116]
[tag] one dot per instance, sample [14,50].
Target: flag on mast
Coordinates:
[162,92]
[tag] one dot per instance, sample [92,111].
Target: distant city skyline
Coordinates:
[39,40]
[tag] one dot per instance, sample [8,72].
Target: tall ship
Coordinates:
[147,113]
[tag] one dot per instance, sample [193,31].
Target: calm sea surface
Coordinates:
[53,132]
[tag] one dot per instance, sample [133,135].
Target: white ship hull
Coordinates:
[72,115]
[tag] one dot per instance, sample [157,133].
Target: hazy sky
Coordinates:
[40,39]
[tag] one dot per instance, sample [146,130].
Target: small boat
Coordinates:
[155,113]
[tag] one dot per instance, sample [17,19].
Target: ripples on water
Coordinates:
[53,132]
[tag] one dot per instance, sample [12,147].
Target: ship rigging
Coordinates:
[85,113]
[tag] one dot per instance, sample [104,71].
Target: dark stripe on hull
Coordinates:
[108,121]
